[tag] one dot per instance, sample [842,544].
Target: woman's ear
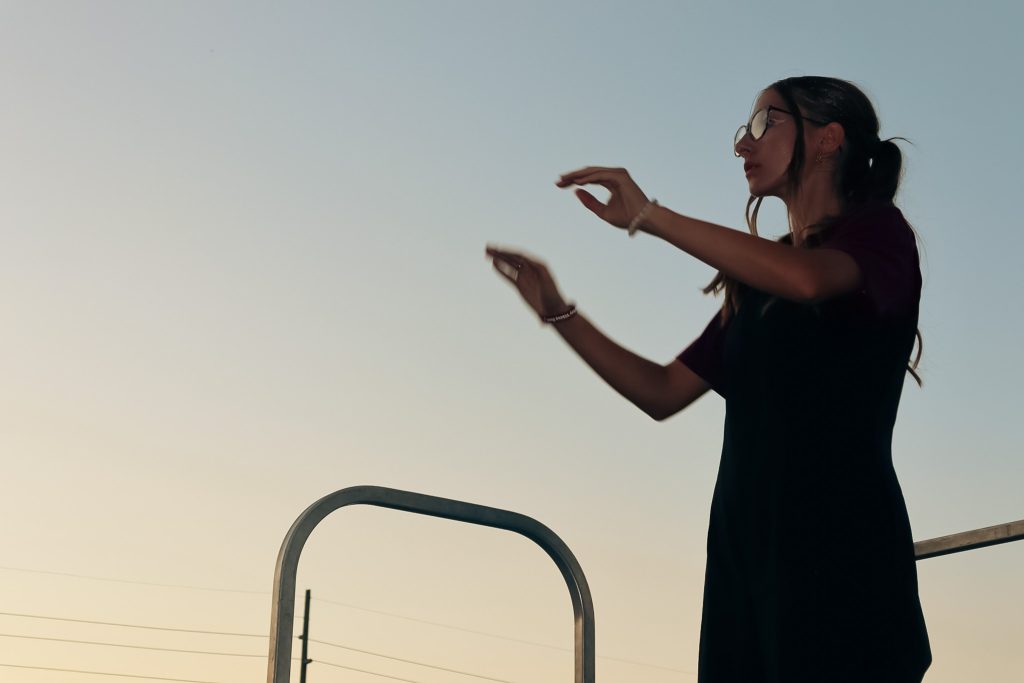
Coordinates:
[833,137]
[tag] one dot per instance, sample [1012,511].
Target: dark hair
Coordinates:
[868,171]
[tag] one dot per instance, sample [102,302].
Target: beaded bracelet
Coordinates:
[634,225]
[561,316]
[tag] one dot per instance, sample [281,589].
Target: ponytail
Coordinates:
[872,170]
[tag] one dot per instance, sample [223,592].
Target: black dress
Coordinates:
[811,575]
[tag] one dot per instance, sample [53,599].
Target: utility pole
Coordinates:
[305,641]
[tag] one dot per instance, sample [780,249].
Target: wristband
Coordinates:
[561,316]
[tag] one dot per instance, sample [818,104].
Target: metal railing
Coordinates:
[282,613]
[969,540]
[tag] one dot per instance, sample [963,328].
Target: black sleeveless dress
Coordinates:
[811,575]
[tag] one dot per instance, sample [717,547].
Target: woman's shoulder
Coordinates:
[882,242]
[874,221]
[873,213]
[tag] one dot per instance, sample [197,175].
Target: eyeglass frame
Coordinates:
[737,138]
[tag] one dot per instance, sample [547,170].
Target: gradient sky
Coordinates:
[243,266]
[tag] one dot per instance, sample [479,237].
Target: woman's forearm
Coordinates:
[637,379]
[764,264]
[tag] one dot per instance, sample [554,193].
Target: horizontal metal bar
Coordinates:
[970,540]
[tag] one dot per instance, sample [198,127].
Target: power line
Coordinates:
[650,666]
[407,661]
[224,654]
[497,636]
[129,581]
[323,600]
[237,654]
[104,673]
[153,628]
[134,647]
[350,668]
[448,626]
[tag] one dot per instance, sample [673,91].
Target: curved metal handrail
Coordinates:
[282,613]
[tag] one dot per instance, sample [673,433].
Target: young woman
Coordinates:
[811,574]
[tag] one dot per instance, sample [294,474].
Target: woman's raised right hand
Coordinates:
[531,278]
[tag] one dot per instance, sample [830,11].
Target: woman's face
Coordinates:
[766,159]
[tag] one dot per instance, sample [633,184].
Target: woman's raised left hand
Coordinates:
[627,198]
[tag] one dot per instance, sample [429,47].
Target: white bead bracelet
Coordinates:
[634,225]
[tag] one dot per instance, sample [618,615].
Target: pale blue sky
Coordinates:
[243,265]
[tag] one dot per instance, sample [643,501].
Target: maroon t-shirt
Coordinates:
[882,243]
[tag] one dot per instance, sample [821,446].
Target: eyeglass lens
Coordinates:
[758,125]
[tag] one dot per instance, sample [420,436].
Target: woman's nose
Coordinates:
[742,147]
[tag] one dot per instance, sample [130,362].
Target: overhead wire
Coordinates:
[436,623]
[122,625]
[104,673]
[133,647]
[130,581]
[495,635]
[228,654]
[407,661]
[329,602]
[352,668]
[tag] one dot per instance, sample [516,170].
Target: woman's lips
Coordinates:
[751,169]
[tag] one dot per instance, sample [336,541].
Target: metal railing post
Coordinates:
[282,613]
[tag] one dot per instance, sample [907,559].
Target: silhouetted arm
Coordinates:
[780,269]
[651,387]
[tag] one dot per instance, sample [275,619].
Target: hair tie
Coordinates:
[873,151]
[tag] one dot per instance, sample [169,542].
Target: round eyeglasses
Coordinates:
[759,124]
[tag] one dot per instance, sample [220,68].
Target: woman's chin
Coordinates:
[759,189]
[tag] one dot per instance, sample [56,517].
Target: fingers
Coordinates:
[572,176]
[601,178]
[591,202]
[591,174]
[511,273]
[513,258]
[506,256]
[508,263]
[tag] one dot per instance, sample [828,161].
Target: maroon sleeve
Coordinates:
[883,245]
[705,355]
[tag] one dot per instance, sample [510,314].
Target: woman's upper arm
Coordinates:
[875,255]
[682,387]
[699,367]
[836,272]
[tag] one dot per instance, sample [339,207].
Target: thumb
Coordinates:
[591,202]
